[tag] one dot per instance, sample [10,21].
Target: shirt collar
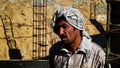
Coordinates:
[84,47]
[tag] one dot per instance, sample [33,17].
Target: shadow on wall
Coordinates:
[100,39]
[97,25]
[14,52]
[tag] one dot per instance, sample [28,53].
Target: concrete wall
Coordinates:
[21,14]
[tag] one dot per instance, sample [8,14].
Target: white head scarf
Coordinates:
[73,17]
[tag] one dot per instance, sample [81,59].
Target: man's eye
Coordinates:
[64,26]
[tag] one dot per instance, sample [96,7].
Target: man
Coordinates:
[75,50]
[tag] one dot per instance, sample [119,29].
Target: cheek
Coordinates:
[71,34]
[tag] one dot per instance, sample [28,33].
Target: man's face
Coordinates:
[66,32]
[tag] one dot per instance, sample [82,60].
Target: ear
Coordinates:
[77,31]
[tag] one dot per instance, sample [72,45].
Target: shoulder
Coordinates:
[97,47]
[55,47]
[98,54]
[98,50]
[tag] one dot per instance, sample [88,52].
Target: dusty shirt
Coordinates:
[88,55]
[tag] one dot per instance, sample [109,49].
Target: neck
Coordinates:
[73,47]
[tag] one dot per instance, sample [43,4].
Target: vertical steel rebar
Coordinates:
[39,28]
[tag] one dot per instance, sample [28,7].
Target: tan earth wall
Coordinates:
[20,13]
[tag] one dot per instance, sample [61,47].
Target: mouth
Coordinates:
[63,37]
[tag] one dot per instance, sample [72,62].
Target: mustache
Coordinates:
[63,36]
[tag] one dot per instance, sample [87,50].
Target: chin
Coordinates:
[65,42]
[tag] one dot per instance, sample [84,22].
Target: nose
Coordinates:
[61,31]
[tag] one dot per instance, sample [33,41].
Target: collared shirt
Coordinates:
[88,55]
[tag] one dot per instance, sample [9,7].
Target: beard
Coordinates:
[66,41]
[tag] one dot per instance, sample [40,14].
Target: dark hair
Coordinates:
[57,20]
[81,33]
[60,18]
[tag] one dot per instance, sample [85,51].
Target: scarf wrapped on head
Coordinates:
[74,17]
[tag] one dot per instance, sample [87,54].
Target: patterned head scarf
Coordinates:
[72,16]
